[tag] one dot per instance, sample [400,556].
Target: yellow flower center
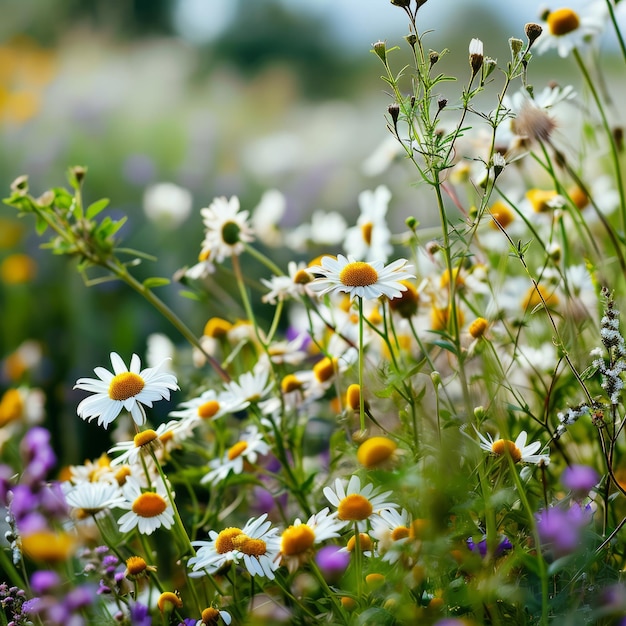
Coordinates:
[224,541]
[354,507]
[302,277]
[125,385]
[374,451]
[325,369]
[400,532]
[149,504]
[169,600]
[579,197]
[168,435]
[506,446]
[17,269]
[48,546]
[366,232]
[144,437]
[478,327]
[358,274]
[501,215]
[297,539]
[237,450]
[250,546]
[532,299]
[540,198]
[11,406]
[562,21]
[290,383]
[208,409]
[122,474]
[135,566]
[406,303]
[353,397]
[365,542]
[444,281]
[210,616]
[217,327]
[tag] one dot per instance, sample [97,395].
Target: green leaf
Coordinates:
[40,225]
[96,207]
[155,281]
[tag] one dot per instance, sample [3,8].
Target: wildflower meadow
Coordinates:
[420,423]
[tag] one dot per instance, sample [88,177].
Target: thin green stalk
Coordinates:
[543,570]
[609,134]
[618,30]
[361,389]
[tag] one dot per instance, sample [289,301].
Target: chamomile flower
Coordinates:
[126,388]
[256,545]
[88,499]
[360,279]
[566,29]
[297,540]
[370,239]
[519,451]
[250,386]
[164,438]
[211,617]
[392,529]
[355,503]
[209,405]
[291,286]
[247,449]
[148,510]
[227,229]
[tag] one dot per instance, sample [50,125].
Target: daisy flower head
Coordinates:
[250,386]
[370,239]
[147,510]
[208,406]
[297,540]
[518,450]
[355,503]
[393,530]
[89,499]
[227,229]
[292,286]
[211,617]
[246,450]
[359,278]
[166,437]
[256,545]
[125,388]
[566,29]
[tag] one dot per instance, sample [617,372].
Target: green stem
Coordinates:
[609,134]
[361,390]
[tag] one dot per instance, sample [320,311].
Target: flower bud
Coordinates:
[380,48]
[516,46]
[476,55]
[532,31]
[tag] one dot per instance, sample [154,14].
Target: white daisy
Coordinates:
[392,529]
[247,449]
[250,386]
[297,540]
[227,229]
[92,498]
[256,544]
[166,437]
[565,29]
[291,286]
[148,510]
[370,239]
[519,451]
[211,616]
[127,389]
[355,503]
[209,405]
[360,279]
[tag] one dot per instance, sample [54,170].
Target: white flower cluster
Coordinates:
[569,417]
[613,341]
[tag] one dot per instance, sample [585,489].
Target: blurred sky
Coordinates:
[359,21]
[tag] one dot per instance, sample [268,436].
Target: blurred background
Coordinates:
[218,97]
